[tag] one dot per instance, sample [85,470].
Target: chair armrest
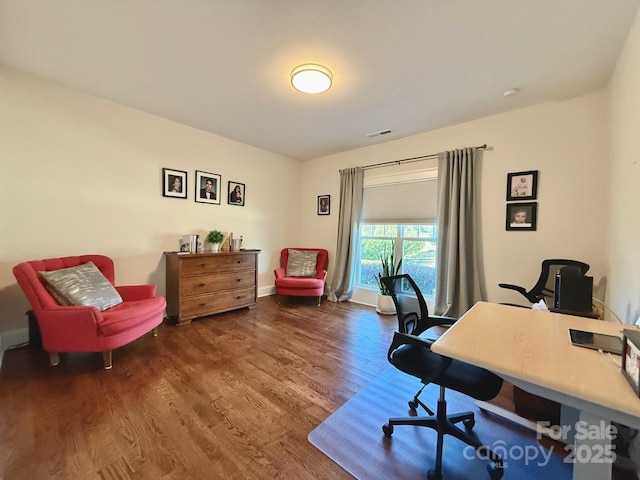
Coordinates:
[433,321]
[280,272]
[439,320]
[321,275]
[82,321]
[136,292]
[71,313]
[400,339]
[513,287]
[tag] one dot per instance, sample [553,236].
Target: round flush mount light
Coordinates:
[311,78]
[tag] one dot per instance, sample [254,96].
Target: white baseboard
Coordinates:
[361,303]
[12,338]
[266,291]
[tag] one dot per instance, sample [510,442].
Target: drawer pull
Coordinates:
[203,304]
[238,279]
[203,265]
[203,284]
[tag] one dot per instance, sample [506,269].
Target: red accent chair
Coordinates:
[302,286]
[85,328]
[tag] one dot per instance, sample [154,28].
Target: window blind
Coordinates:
[401,200]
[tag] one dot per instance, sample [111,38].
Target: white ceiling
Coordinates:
[406,65]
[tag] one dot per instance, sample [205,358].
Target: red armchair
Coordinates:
[86,328]
[306,286]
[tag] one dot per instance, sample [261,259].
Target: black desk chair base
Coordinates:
[445,424]
[413,404]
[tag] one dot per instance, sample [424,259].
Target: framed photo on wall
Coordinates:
[522,216]
[324,204]
[174,183]
[522,185]
[207,187]
[236,194]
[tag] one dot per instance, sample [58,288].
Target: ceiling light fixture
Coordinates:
[311,78]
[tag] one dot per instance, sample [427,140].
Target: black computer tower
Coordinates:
[573,291]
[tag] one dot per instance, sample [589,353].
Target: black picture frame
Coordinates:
[169,179]
[236,194]
[202,178]
[324,204]
[522,185]
[631,358]
[530,210]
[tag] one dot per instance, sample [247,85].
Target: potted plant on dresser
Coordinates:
[214,238]
[389,267]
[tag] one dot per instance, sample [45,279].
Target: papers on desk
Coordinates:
[540,306]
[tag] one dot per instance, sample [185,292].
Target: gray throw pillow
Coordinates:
[82,285]
[302,263]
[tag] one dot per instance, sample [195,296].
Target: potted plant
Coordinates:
[214,238]
[389,267]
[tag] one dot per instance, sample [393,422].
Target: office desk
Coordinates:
[531,349]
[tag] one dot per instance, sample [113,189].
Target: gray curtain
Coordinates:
[348,226]
[458,285]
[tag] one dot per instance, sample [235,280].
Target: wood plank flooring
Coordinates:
[230,396]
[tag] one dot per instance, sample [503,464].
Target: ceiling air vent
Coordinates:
[377,134]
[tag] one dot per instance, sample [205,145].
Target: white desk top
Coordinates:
[531,349]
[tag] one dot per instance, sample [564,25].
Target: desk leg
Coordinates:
[593,456]
[569,416]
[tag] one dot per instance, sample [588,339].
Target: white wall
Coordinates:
[564,141]
[84,175]
[622,225]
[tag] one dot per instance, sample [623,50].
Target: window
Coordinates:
[415,244]
[399,208]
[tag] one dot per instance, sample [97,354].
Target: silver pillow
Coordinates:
[82,285]
[302,263]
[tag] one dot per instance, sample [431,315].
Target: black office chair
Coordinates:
[545,286]
[413,317]
[412,354]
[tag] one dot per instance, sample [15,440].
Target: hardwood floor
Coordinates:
[230,396]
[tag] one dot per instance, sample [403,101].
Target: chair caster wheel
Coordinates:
[387,430]
[495,471]
[433,475]
[413,404]
[469,423]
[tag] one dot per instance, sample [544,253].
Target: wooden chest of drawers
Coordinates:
[202,284]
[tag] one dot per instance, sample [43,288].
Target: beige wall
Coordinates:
[586,150]
[83,175]
[623,225]
[564,141]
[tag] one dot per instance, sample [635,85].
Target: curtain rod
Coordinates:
[409,160]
